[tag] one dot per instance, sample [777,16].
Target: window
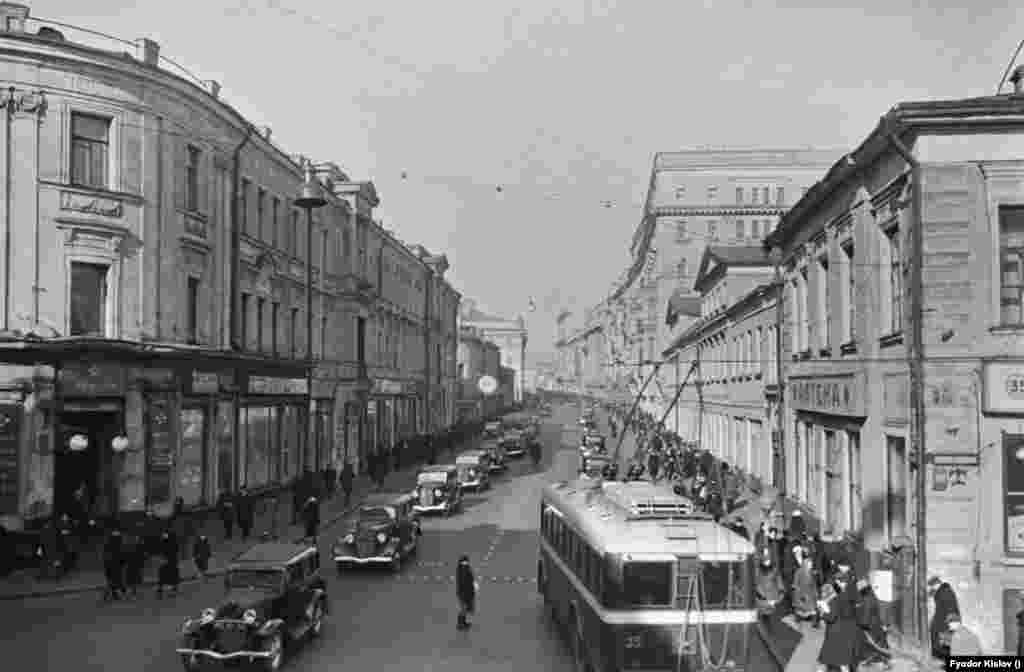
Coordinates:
[261,202]
[261,304]
[680,193]
[893,284]
[1013,491]
[243,207]
[854,503]
[275,313]
[753,195]
[712,229]
[1011,266]
[849,295]
[87,309]
[90,151]
[192,319]
[824,302]
[296,243]
[725,585]
[293,336]
[681,234]
[712,193]
[835,484]
[346,246]
[739,195]
[192,460]
[244,322]
[764,195]
[192,179]
[896,490]
[813,442]
[646,584]
[741,229]
[323,338]
[275,223]
[361,340]
[800,461]
[780,195]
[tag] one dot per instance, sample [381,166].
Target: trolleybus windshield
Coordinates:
[646,584]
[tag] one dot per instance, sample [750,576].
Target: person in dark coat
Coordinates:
[465,590]
[183,526]
[654,462]
[804,596]
[226,508]
[839,649]
[311,517]
[347,481]
[69,545]
[790,552]
[822,564]
[244,512]
[945,604]
[201,553]
[134,564]
[170,571]
[869,622]
[769,588]
[51,551]
[113,566]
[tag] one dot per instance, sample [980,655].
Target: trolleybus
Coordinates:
[640,581]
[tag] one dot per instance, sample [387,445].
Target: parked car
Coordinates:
[275,595]
[514,443]
[496,449]
[384,530]
[437,489]
[474,467]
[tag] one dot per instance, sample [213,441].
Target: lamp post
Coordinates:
[309,198]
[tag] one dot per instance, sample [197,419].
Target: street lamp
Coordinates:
[309,198]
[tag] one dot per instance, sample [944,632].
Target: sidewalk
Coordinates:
[805,656]
[25,584]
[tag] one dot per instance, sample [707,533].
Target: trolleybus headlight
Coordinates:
[249,616]
[381,537]
[437,492]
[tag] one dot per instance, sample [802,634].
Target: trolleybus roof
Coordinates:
[643,518]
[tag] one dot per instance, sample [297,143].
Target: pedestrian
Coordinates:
[311,517]
[466,588]
[347,479]
[201,553]
[226,508]
[769,589]
[113,566]
[804,594]
[873,642]
[791,553]
[963,641]
[134,564]
[838,650]
[797,524]
[244,512]
[945,604]
[183,526]
[169,574]
[51,551]
[69,544]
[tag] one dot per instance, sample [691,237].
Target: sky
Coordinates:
[560,104]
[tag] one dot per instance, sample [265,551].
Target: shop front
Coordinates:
[272,448]
[206,458]
[393,409]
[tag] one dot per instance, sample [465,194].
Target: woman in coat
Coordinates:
[170,570]
[113,566]
[869,622]
[945,604]
[805,592]
[465,591]
[839,650]
[769,589]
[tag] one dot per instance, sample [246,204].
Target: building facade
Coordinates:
[510,336]
[160,348]
[903,352]
[477,358]
[726,363]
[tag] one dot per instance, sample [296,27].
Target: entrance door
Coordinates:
[92,466]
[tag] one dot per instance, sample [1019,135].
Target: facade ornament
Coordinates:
[7,98]
[32,103]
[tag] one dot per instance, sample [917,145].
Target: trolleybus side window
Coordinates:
[646,584]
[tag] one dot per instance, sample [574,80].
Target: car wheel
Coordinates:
[318,620]
[275,646]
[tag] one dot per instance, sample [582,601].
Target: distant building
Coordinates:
[510,336]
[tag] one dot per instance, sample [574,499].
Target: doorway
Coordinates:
[90,466]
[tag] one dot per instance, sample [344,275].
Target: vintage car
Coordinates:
[437,489]
[495,448]
[492,430]
[514,443]
[384,530]
[274,595]
[474,467]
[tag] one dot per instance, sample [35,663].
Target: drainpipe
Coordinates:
[916,367]
[236,240]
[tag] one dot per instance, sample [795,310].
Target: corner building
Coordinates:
[915,236]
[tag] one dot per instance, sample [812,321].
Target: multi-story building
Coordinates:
[159,348]
[726,362]
[902,341]
[698,198]
[510,336]
[478,357]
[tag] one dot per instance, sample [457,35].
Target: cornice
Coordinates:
[717,211]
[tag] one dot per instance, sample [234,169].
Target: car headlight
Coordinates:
[437,492]
[207,615]
[381,537]
[249,616]
[472,473]
[350,539]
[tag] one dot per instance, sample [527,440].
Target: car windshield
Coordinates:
[433,477]
[255,579]
[376,514]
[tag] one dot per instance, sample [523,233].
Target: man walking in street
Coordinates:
[465,590]
[311,518]
[245,512]
[347,478]
[226,508]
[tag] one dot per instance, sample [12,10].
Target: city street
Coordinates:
[378,621]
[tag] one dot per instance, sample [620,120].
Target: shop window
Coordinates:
[225,447]
[853,480]
[896,486]
[191,465]
[255,421]
[90,151]
[835,518]
[1011,268]
[87,310]
[290,427]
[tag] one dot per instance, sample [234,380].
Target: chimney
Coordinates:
[1017,79]
[213,86]
[266,132]
[12,17]
[148,52]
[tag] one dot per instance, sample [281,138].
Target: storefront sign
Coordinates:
[383,386]
[268,385]
[1004,387]
[837,395]
[10,414]
[205,383]
[91,380]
